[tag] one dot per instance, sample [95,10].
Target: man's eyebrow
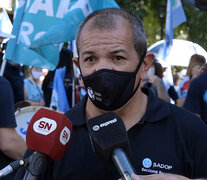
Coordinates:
[118,51]
[87,52]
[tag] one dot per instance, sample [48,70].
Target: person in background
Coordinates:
[196,100]
[12,146]
[155,82]
[13,73]
[33,87]
[65,60]
[195,68]
[113,60]
[177,78]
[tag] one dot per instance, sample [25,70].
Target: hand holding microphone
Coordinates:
[110,141]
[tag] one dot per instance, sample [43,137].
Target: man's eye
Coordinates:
[90,59]
[118,58]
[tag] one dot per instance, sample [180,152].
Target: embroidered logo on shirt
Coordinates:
[147,163]
[154,167]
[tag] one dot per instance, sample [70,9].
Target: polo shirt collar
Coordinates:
[77,113]
[156,110]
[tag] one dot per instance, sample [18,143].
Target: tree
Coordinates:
[153,15]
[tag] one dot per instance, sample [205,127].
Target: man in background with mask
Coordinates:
[113,62]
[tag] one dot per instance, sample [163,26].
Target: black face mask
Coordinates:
[109,89]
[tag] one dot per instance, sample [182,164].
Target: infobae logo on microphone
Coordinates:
[64,135]
[44,126]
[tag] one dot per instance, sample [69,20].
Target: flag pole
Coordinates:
[75,54]
[3,65]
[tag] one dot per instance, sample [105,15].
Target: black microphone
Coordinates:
[110,141]
[13,166]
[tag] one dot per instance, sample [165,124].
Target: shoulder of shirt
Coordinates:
[4,80]
[164,110]
[77,113]
[186,118]
[200,79]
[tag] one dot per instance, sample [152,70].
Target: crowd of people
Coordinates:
[118,75]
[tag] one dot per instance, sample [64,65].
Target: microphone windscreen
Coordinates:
[49,132]
[108,132]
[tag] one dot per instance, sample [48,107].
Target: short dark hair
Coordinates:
[107,19]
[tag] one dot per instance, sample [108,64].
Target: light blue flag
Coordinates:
[175,16]
[66,29]
[47,23]
[59,97]
[5,25]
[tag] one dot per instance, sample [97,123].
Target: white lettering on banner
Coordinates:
[39,34]
[38,5]
[21,3]
[48,7]
[27,5]
[84,5]
[25,33]
[62,8]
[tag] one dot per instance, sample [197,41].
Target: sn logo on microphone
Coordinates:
[64,135]
[44,126]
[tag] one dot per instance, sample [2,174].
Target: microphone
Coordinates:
[110,142]
[13,166]
[48,136]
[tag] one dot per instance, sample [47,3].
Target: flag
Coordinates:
[59,97]
[67,27]
[174,17]
[42,26]
[5,25]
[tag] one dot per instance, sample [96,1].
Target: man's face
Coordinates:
[107,49]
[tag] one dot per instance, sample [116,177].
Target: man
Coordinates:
[113,62]
[196,100]
[12,146]
[12,72]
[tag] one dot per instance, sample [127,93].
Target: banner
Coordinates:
[41,25]
[174,17]
[5,25]
[59,97]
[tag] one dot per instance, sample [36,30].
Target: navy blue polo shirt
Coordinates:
[7,118]
[167,139]
[196,100]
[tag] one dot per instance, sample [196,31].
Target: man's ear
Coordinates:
[148,60]
[75,61]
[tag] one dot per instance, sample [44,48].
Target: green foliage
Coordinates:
[177,68]
[153,14]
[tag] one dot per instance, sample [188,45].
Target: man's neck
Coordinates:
[131,113]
